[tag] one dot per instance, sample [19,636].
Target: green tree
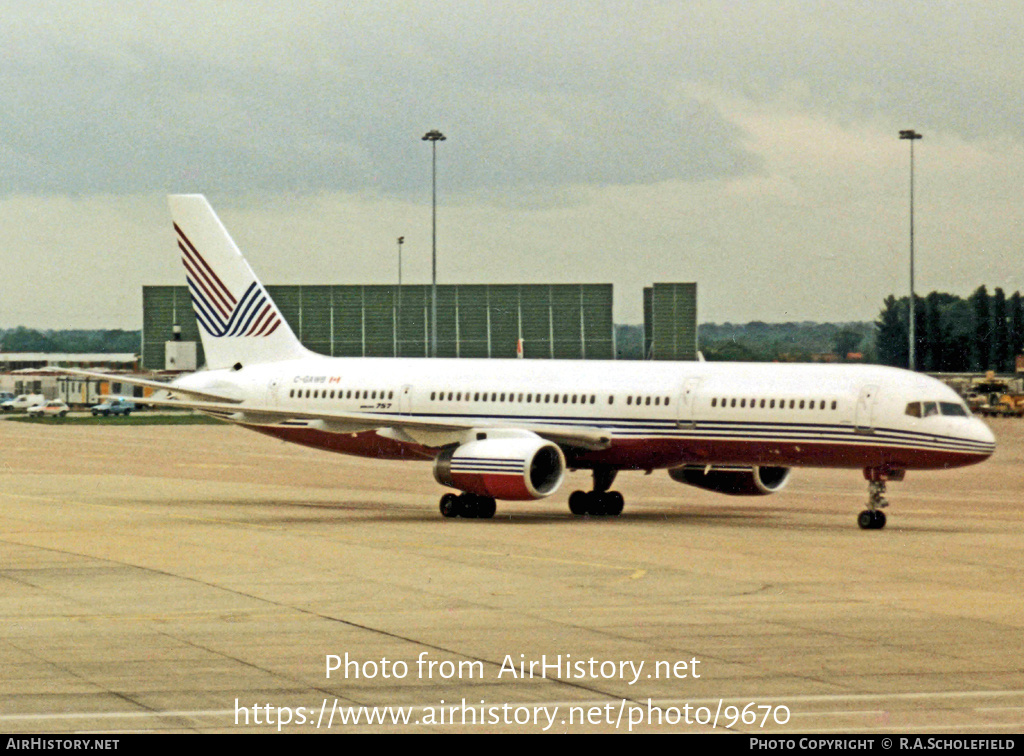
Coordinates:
[1000,333]
[1016,317]
[846,341]
[981,319]
[891,333]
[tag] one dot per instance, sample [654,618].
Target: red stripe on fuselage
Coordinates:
[652,453]
[364,444]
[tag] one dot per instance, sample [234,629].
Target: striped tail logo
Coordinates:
[217,310]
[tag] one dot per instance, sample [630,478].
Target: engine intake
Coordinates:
[516,469]
[734,481]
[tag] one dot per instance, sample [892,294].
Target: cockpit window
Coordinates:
[952,408]
[927,409]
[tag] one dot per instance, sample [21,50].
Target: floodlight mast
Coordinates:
[912,136]
[433,137]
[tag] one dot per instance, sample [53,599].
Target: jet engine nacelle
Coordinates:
[517,468]
[734,481]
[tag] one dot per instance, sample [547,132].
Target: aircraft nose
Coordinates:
[983,435]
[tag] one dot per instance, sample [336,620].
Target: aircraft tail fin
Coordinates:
[238,321]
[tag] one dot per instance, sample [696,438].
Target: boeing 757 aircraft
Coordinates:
[510,429]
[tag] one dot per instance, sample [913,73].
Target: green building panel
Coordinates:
[563,321]
[316,322]
[163,307]
[672,324]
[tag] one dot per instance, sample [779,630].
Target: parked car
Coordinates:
[22,402]
[115,405]
[52,408]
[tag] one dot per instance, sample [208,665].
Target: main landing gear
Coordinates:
[873,518]
[468,505]
[600,501]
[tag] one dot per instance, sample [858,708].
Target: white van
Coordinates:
[22,403]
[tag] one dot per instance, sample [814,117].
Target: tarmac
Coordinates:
[207,579]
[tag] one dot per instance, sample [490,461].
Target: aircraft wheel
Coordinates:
[579,503]
[450,505]
[612,503]
[871,519]
[469,506]
[487,506]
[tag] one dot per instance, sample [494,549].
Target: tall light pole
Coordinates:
[433,137]
[398,319]
[912,136]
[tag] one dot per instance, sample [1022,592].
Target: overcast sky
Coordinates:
[751,147]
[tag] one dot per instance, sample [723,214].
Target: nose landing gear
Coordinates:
[873,518]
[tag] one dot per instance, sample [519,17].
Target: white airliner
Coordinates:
[509,429]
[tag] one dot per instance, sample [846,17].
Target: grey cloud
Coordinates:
[83,122]
[532,95]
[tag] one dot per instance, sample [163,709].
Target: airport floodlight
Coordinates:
[434,136]
[912,136]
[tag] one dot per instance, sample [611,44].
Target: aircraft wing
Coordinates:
[156,385]
[428,432]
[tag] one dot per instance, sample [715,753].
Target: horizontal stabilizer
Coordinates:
[155,385]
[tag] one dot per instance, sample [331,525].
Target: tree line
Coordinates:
[953,334]
[22,339]
[791,342]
